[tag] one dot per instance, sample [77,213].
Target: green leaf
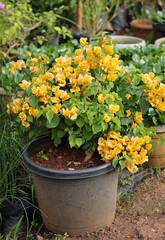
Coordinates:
[80,122]
[157,68]
[96,128]
[144,105]
[90,117]
[33,101]
[42,155]
[30,118]
[104,125]
[54,122]
[60,133]
[116,121]
[122,164]
[72,141]
[29,90]
[49,116]
[128,158]
[77,163]
[161,141]
[125,121]
[39,113]
[68,122]
[115,162]
[79,141]
[57,141]
[87,134]
[99,77]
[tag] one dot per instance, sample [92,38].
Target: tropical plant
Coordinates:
[90,100]
[17,21]
[148,59]
[157,17]
[10,81]
[95,14]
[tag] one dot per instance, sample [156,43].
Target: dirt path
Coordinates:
[140,215]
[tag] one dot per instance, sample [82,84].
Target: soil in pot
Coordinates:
[64,158]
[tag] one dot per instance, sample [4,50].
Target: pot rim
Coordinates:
[61,174]
[138,23]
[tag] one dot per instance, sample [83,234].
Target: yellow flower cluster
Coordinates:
[22,107]
[70,113]
[113,145]
[68,75]
[15,65]
[155,93]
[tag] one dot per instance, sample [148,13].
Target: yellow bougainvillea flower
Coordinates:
[24,85]
[78,52]
[128,96]
[97,51]
[134,125]
[138,117]
[15,65]
[100,98]
[109,49]
[83,42]
[29,54]
[128,113]
[113,108]
[128,80]
[107,118]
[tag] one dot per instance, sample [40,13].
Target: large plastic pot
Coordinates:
[157,156]
[160,30]
[74,201]
[127,41]
[160,41]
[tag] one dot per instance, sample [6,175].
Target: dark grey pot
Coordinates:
[74,201]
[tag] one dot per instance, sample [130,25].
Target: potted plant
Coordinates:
[160,41]
[158,21]
[95,17]
[128,41]
[141,25]
[155,116]
[85,103]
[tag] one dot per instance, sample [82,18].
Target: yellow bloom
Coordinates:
[107,118]
[78,52]
[128,113]
[109,49]
[131,166]
[138,117]
[97,51]
[134,125]
[83,42]
[146,139]
[113,108]
[128,80]
[55,108]
[148,146]
[128,96]
[100,98]
[24,85]
[29,54]
[25,124]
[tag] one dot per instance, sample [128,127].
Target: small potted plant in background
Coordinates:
[86,103]
[158,21]
[142,26]
[94,16]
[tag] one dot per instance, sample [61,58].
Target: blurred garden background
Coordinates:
[50,28]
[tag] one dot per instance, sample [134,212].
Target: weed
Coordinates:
[149,210]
